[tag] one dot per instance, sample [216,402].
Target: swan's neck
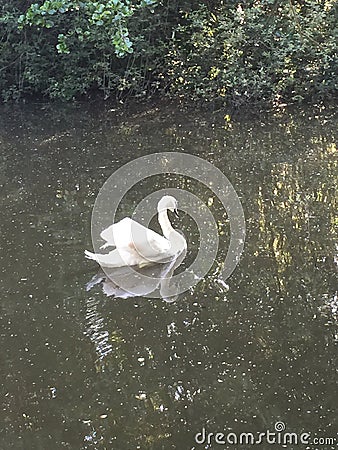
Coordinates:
[164,221]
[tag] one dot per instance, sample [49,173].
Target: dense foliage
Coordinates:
[249,52]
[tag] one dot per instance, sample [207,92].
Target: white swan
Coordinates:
[138,245]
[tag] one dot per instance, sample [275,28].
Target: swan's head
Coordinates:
[167,202]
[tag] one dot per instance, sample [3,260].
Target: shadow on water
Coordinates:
[83,370]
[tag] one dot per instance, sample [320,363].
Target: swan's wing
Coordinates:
[130,234]
[117,232]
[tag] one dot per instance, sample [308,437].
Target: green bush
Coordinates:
[256,52]
[63,49]
[240,53]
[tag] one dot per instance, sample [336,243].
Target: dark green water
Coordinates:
[83,371]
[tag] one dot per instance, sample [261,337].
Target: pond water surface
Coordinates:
[80,370]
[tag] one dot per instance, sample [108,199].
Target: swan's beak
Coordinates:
[176,212]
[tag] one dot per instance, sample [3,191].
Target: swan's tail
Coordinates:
[90,255]
[111,259]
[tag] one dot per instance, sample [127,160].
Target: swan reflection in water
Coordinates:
[125,282]
[156,280]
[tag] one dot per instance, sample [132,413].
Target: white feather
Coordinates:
[138,245]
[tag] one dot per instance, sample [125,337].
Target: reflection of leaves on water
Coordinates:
[95,330]
[296,216]
[180,393]
[329,309]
